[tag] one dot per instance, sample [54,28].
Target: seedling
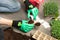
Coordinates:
[55,28]
[51,9]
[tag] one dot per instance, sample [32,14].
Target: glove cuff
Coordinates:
[16,24]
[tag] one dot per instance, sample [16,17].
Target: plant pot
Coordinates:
[37,24]
[30,22]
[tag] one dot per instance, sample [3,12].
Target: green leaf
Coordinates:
[51,8]
[55,28]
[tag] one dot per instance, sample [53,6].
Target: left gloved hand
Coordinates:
[34,12]
[31,9]
[25,27]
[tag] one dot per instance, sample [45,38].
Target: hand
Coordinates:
[34,12]
[25,27]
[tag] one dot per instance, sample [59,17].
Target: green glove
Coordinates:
[34,12]
[25,27]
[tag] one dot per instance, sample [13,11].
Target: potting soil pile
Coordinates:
[9,34]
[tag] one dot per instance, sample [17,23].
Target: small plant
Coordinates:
[51,9]
[55,28]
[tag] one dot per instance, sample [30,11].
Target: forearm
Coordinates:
[14,23]
[4,21]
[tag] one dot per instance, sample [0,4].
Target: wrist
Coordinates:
[16,24]
[5,21]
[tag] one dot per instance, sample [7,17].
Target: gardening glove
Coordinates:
[25,27]
[33,11]
[22,25]
[17,23]
[27,3]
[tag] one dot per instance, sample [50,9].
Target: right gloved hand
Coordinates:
[25,27]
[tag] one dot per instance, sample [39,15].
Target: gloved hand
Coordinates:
[25,27]
[31,9]
[34,12]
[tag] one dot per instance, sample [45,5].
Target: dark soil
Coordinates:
[9,34]
[37,24]
[30,22]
